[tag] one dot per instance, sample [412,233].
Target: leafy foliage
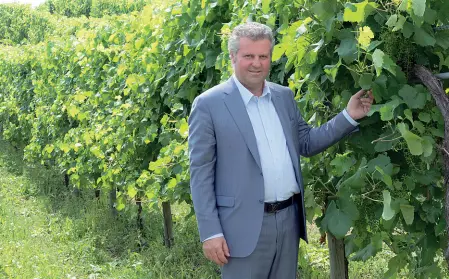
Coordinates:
[109,106]
[93,8]
[20,24]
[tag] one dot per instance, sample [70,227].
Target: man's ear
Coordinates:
[232,57]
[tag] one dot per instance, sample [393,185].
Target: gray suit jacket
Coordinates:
[225,172]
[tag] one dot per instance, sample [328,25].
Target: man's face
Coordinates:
[252,63]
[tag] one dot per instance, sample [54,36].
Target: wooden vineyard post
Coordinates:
[168,224]
[338,261]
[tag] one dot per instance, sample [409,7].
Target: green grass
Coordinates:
[48,232]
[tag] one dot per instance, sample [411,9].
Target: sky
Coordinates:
[33,3]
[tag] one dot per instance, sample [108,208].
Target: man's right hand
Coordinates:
[216,250]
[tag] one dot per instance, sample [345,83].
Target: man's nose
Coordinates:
[256,62]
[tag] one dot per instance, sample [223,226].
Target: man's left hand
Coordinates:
[360,104]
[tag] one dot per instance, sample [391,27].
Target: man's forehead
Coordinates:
[252,45]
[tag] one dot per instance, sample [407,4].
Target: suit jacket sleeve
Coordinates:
[315,140]
[202,156]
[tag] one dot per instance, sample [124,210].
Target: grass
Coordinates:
[47,232]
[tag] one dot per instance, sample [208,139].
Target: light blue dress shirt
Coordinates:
[277,167]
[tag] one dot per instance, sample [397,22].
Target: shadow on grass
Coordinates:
[113,243]
[90,217]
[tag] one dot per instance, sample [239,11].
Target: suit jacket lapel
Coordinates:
[237,109]
[284,117]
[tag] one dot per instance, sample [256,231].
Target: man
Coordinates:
[245,139]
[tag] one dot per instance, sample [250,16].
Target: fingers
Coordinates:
[367,98]
[359,94]
[364,94]
[221,257]
[366,102]
[216,250]
[226,249]
[212,256]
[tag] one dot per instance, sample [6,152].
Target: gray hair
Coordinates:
[251,30]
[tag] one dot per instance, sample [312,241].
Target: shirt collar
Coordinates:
[247,95]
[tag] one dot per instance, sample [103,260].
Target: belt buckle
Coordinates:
[274,207]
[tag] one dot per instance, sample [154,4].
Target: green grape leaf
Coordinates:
[310,204]
[120,205]
[389,140]
[388,212]
[73,110]
[424,117]
[414,142]
[139,43]
[364,254]
[408,29]
[211,58]
[309,199]
[382,161]
[392,20]
[403,6]
[184,128]
[348,49]
[423,38]
[182,79]
[410,183]
[357,180]
[437,132]
[332,70]
[379,88]
[370,250]
[358,12]
[348,206]
[373,45]
[419,126]
[382,146]
[442,39]
[132,191]
[400,24]
[386,110]
[266,6]
[430,15]
[324,10]
[278,51]
[412,97]
[385,177]
[419,7]
[336,221]
[366,81]
[378,60]
[172,183]
[49,148]
[408,212]
[409,115]
[383,61]
[427,144]
[342,163]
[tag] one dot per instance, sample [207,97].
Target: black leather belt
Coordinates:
[273,207]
